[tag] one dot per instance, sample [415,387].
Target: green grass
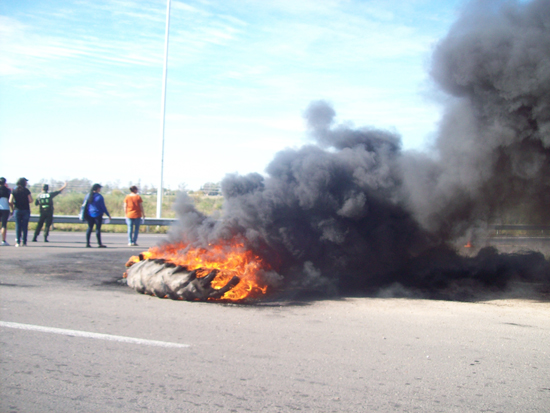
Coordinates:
[144,229]
[70,203]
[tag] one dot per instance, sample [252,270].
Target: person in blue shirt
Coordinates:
[95,208]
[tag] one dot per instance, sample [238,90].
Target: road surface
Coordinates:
[74,339]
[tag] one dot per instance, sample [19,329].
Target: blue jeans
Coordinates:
[21,224]
[133,229]
[97,221]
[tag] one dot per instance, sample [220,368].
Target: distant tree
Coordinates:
[182,188]
[81,186]
[36,187]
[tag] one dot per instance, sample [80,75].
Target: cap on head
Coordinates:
[95,187]
[22,182]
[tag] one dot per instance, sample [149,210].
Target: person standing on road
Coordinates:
[20,202]
[5,193]
[133,209]
[95,210]
[45,201]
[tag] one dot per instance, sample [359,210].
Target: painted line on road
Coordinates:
[99,336]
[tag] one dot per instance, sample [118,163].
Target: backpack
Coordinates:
[84,213]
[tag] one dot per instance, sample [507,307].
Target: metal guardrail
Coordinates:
[72,219]
[520,227]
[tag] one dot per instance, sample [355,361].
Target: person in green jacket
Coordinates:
[45,201]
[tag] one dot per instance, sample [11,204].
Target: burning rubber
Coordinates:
[167,280]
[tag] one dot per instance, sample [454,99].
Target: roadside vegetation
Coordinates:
[70,200]
[207,200]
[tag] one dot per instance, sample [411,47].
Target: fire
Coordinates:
[231,259]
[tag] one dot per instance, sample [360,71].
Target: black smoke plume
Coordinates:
[354,212]
[493,146]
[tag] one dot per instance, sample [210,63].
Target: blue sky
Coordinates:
[81,82]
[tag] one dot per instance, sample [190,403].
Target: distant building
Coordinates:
[212,189]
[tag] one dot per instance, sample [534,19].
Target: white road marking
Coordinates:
[100,336]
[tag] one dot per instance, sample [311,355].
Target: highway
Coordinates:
[75,339]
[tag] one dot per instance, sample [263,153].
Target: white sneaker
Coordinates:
[130,244]
[17,244]
[5,244]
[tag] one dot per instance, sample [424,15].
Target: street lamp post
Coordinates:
[163,112]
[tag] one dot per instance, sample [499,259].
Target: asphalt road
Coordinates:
[74,339]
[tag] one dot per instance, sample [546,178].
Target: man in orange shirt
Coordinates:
[133,208]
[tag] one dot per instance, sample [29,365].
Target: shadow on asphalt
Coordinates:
[103,269]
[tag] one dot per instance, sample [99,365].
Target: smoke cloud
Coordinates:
[492,150]
[354,212]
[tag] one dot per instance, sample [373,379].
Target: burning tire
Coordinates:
[167,280]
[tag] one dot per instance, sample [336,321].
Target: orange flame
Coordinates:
[232,259]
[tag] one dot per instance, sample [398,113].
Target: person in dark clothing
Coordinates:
[45,201]
[94,205]
[5,193]
[20,202]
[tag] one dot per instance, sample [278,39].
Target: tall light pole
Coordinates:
[163,112]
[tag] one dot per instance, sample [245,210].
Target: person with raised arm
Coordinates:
[45,202]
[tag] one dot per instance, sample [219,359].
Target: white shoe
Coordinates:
[5,244]
[17,245]
[130,244]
